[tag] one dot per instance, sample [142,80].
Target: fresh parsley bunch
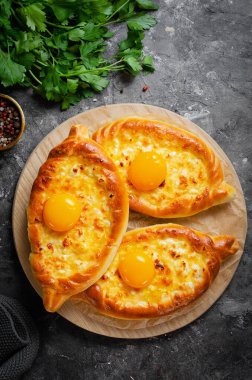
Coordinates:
[57,46]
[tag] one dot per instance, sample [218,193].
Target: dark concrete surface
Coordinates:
[203,57]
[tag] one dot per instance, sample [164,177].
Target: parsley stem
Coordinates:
[34,77]
[48,31]
[74,73]
[42,63]
[59,26]
[11,39]
[33,86]
[37,67]
[53,59]
[117,10]
[104,68]
[112,22]
[115,63]
[120,19]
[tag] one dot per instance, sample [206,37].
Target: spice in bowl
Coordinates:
[11,122]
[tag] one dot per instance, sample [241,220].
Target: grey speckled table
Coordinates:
[203,57]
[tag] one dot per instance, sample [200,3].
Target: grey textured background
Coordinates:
[203,54]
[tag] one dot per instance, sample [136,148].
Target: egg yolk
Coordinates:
[147,171]
[136,270]
[61,212]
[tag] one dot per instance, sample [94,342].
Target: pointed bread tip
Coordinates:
[79,131]
[225,193]
[53,300]
[226,245]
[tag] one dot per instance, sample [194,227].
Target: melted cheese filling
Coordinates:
[178,271]
[187,176]
[79,249]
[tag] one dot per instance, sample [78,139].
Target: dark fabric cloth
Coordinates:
[19,339]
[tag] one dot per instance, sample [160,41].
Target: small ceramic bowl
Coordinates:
[22,120]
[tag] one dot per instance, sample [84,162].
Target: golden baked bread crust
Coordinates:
[194,179]
[67,263]
[186,263]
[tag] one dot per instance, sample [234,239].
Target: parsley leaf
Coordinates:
[76,34]
[53,86]
[148,63]
[96,82]
[90,53]
[10,71]
[141,22]
[147,4]
[34,16]
[61,13]
[134,40]
[91,47]
[26,59]
[70,100]
[133,65]
[27,42]
[72,85]
[5,8]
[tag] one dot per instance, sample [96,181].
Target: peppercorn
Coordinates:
[145,88]
[10,122]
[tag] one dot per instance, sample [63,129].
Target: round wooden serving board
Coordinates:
[225,219]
